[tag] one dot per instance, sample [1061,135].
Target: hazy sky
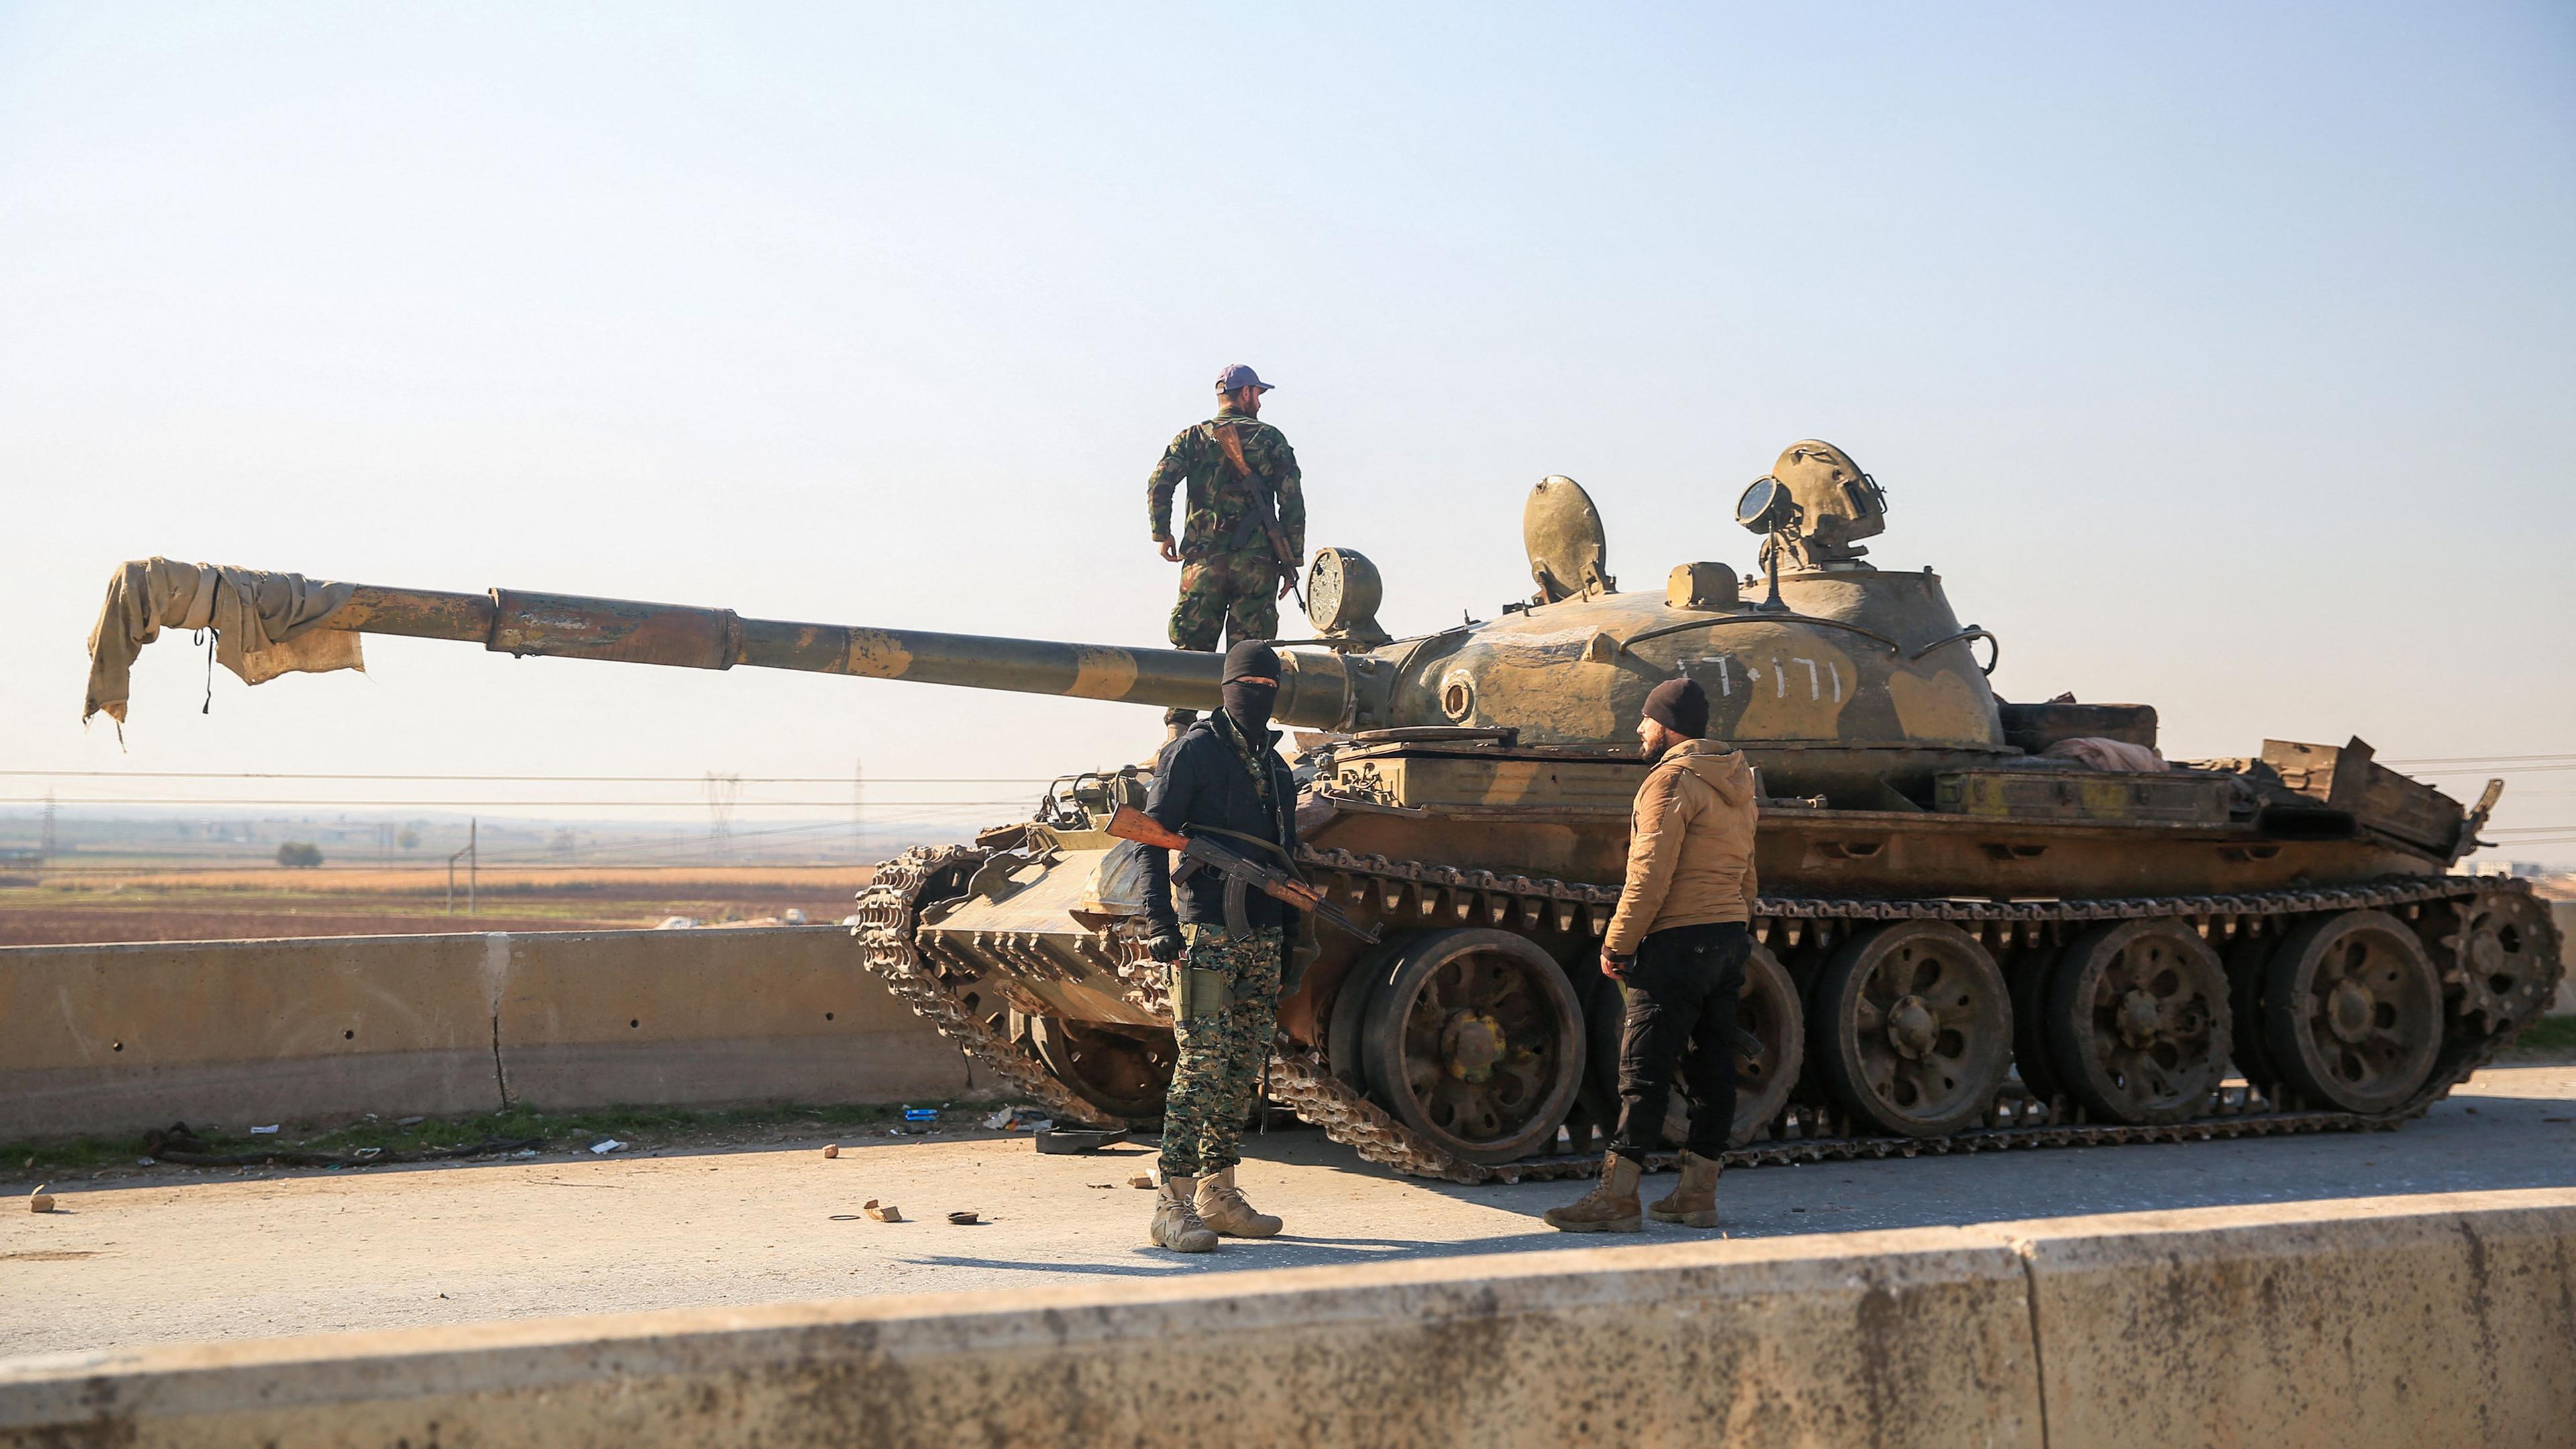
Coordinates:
[2220,357]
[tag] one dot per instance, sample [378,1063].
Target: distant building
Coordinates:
[2525,869]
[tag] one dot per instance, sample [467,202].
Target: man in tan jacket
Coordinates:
[1677,945]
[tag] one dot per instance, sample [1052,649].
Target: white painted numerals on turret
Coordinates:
[1823,679]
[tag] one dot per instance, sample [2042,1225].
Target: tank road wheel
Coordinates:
[2137,1021]
[2028,977]
[2249,970]
[1349,1018]
[2353,1011]
[1123,1073]
[1913,1028]
[1768,1011]
[2499,962]
[1475,1040]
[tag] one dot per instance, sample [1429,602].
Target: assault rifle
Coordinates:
[1241,871]
[1231,444]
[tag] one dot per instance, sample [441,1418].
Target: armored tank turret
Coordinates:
[1982,923]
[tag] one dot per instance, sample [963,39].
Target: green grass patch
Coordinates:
[638,1127]
[2550,1036]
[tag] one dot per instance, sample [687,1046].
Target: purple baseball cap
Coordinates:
[1239,376]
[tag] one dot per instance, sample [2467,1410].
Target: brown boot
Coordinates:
[1611,1205]
[1224,1209]
[1176,1222]
[1693,1202]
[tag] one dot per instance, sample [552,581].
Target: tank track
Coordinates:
[889,912]
[1446,895]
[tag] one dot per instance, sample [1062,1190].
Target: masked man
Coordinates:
[1677,946]
[1226,944]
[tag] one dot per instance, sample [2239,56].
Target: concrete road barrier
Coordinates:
[1924,1340]
[2564,914]
[694,1018]
[118,1038]
[2446,1319]
[123,1037]
[2393,1321]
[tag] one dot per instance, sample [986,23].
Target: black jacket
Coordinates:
[1201,781]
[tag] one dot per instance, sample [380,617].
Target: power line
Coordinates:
[2491,770]
[526,804]
[527,780]
[2481,760]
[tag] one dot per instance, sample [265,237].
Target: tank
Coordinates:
[1983,924]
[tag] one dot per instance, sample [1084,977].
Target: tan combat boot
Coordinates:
[1693,1202]
[1176,1222]
[1225,1210]
[1611,1205]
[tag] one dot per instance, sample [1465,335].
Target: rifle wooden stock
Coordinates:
[1130,823]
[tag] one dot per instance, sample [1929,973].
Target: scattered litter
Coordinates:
[525,1152]
[370,1116]
[889,1213]
[409,1121]
[832,1149]
[845,1218]
[1143,1180]
[268,1131]
[40,1201]
[921,1114]
[966,1218]
[1019,1119]
[1100,1184]
[605,1145]
[677,923]
[793,916]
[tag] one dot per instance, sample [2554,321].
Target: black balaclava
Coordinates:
[1248,705]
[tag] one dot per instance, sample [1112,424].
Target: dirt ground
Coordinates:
[162,905]
[157,1255]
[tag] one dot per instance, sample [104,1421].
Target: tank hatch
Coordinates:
[1568,551]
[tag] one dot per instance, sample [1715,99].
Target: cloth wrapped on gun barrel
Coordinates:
[1201,784]
[266,624]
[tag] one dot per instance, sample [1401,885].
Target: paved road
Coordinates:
[166,1259]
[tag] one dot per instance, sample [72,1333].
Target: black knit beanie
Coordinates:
[1681,706]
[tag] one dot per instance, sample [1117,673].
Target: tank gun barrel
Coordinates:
[570,626]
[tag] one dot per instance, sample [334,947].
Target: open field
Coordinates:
[156,903]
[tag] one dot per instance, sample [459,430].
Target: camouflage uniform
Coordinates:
[1221,1051]
[1229,574]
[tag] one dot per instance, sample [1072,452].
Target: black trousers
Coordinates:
[1681,1017]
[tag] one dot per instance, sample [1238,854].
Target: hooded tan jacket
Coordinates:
[1690,851]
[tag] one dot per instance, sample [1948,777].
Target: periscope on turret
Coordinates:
[1988,923]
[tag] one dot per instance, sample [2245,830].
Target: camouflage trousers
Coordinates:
[1237,593]
[1232,1013]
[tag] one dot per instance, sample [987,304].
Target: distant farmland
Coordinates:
[157,903]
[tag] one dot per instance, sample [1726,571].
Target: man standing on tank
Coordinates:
[1677,946]
[1242,482]
[1226,946]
